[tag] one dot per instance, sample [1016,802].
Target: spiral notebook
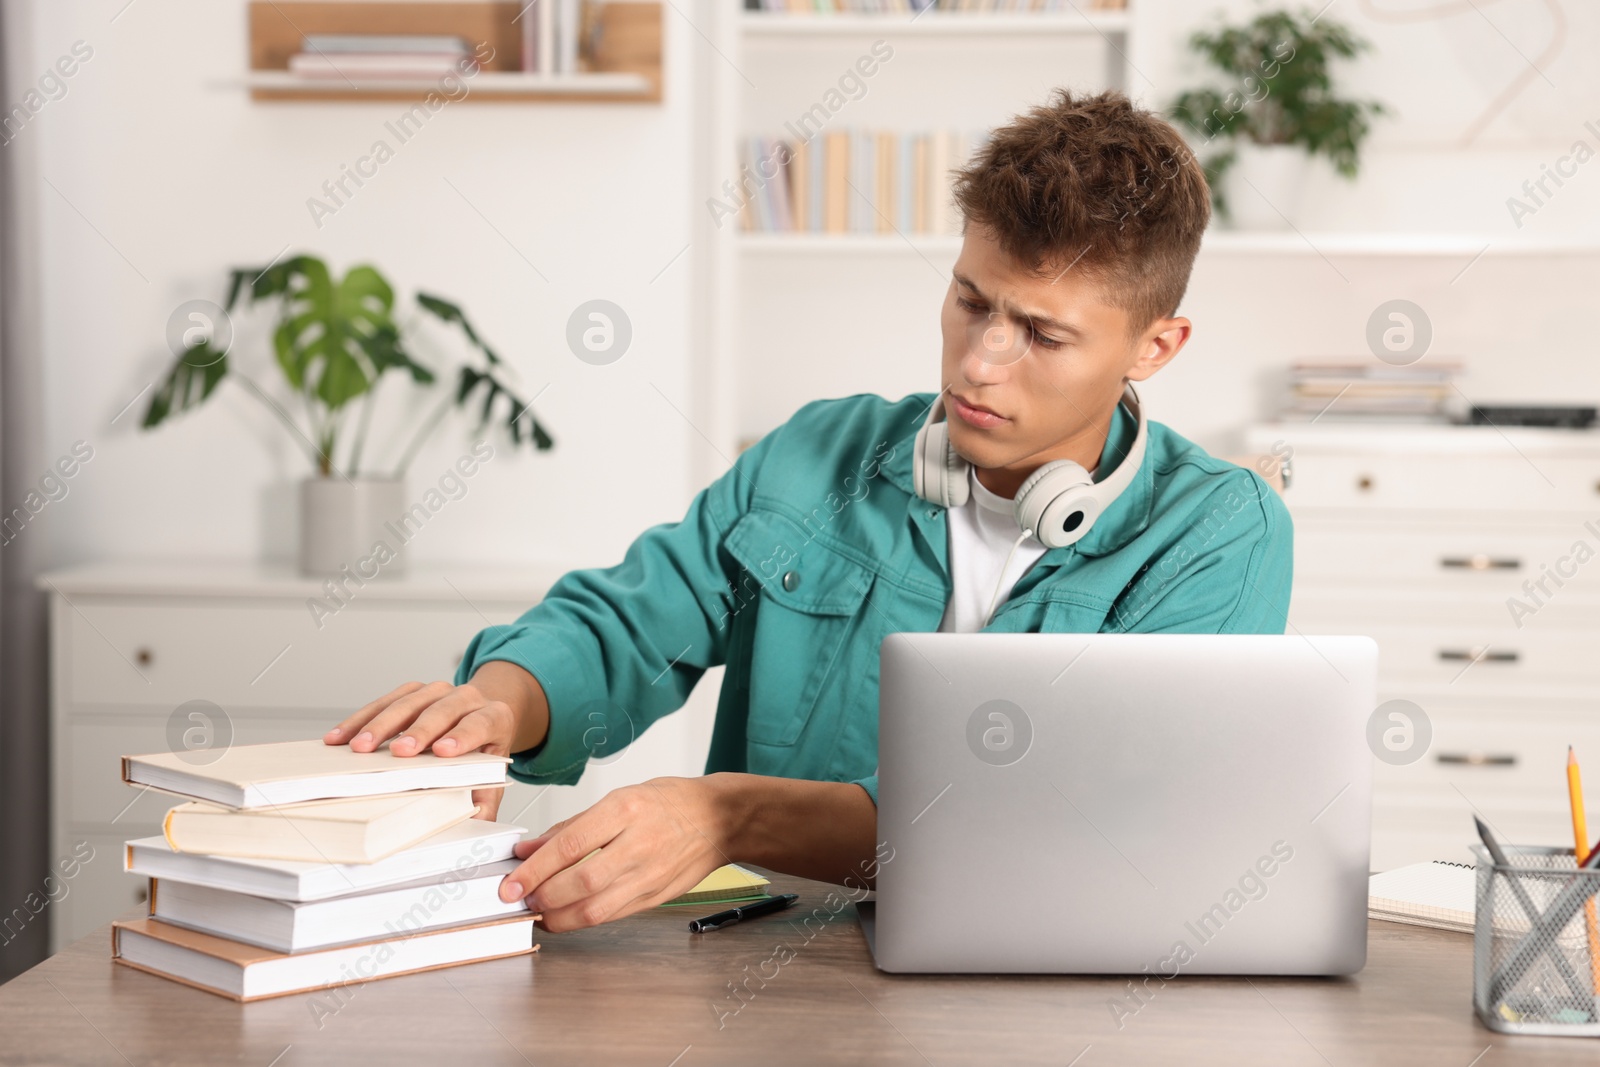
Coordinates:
[1439,894]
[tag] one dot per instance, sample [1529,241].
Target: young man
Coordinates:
[1083,219]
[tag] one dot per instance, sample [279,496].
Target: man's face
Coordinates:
[1034,364]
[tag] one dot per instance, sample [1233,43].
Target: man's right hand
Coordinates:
[500,711]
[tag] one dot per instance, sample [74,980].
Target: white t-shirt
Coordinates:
[982,532]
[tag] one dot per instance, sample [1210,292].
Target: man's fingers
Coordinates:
[587,831]
[435,719]
[578,883]
[346,730]
[488,801]
[397,716]
[615,901]
[473,731]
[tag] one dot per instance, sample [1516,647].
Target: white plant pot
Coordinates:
[342,523]
[1266,187]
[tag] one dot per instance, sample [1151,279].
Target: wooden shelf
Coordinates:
[284,85]
[935,23]
[622,57]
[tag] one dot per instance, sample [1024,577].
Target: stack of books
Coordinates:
[379,57]
[1369,391]
[302,866]
[851,181]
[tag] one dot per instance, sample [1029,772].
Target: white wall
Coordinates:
[156,173]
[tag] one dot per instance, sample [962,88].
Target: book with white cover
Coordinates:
[1439,894]
[245,972]
[362,830]
[459,847]
[285,926]
[292,772]
[374,65]
[408,43]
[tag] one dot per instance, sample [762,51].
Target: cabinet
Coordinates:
[1468,554]
[149,658]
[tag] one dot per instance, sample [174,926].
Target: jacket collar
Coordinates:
[1125,519]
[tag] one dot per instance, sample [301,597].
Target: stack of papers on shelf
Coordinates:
[379,57]
[1370,391]
[305,865]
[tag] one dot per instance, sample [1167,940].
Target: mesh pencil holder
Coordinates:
[1536,943]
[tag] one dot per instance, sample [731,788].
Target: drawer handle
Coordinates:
[1478,759]
[143,657]
[1480,562]
[1480,655]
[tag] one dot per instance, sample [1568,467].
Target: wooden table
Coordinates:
[645,991]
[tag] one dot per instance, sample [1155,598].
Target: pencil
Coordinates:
[1580,835]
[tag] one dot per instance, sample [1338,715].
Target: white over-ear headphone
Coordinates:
[1057,504]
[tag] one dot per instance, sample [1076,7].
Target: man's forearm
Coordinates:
[821,830]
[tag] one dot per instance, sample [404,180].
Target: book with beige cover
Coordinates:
[363,830]
[293,772]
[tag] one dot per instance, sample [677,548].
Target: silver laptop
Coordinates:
[1122,804]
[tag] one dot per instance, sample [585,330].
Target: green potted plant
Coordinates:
[1274,110]
[334,340]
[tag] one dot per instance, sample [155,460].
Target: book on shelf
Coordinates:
[248,972]
[403,43]
[374,65]
[292,772]
[363,830]
[851,181]
[468,895]
[465,845]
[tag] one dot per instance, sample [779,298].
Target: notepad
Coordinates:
[1440,894]
[723,885]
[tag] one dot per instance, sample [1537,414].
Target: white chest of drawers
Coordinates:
[131,645]
[1472,556]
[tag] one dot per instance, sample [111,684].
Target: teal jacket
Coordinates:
[793,567]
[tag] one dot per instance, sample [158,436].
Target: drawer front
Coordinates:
[1490,560]
[260,655]
[97,742]
[1499,756]
[1480,482]
[99,892]
[1471,660]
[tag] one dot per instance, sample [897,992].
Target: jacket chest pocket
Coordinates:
[807,622]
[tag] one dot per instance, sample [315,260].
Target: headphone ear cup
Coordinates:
[939,475]
[1058,503]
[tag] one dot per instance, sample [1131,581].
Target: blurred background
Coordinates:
[636,236]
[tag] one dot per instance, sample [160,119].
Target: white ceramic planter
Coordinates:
[342,521]
[1266,184]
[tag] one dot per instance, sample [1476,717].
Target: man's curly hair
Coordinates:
[1096,185]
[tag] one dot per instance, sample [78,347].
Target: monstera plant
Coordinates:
[334,340]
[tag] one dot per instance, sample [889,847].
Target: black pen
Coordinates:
[748,911]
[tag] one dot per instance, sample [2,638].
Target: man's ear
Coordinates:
[1158,345]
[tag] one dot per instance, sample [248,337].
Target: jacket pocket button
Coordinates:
[791,581]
